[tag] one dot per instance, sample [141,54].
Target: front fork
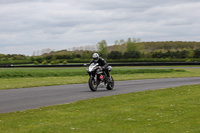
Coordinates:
[96,81]
[95,78]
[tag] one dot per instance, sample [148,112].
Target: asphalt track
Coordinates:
[30,98]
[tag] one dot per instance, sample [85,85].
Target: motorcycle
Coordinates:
[98,76]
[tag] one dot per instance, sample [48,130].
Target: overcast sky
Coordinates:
[30,25]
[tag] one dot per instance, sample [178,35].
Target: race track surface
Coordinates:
[30,98]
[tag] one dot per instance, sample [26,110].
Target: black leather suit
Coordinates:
[102,63]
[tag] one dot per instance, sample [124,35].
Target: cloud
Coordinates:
[62,24]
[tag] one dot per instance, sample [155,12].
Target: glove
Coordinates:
[103,67]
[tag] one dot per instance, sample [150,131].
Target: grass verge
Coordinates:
[47,72]
[125,74]
[174,110]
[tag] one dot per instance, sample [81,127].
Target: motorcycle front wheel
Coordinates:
[92,84]
[110,84]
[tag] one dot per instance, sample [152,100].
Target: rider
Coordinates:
[101,62]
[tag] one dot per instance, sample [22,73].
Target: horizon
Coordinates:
[84,48]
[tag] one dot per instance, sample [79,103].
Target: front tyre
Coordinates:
[110,84]
[92,84]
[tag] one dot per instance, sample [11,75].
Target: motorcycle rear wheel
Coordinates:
[93,86]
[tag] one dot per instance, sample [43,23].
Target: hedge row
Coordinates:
[108,60]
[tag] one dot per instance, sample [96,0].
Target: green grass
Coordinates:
[172,110]
[42,72]
[32,77]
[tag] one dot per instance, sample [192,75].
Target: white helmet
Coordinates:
[95,57]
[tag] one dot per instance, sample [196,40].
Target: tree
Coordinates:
[116,42]
[133,45]
[115,55]
[102,48]
[184,54]
[197,53]
[86,55]
[157,54]
[129,40]
[131,54]
[122,41]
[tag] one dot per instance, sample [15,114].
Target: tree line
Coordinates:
[121,51]
[133,48]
